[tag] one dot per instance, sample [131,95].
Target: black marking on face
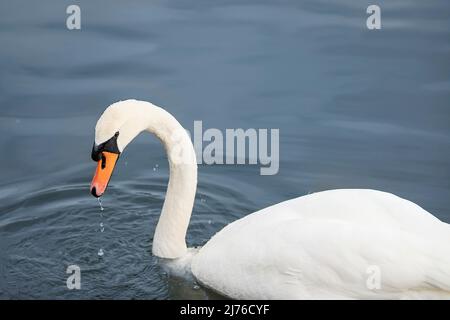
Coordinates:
[108,146]
[103,162]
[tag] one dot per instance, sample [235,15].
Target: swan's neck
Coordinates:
[169,240]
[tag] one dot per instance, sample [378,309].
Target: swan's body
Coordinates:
[327,245]
[331,244]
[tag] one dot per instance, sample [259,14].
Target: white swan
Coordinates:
[342,244]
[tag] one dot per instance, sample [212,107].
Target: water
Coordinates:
[101,206]
[355,109]
[102,227]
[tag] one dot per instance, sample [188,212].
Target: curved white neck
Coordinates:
[169,240]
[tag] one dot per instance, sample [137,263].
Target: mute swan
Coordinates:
[337,244]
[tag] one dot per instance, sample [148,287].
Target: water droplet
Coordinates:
[202,200]
[100,203]
[196,287]
[209,221]
[156,165]
[154,169]
[102,226]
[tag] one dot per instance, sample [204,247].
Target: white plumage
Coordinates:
[325,246]
[337,244]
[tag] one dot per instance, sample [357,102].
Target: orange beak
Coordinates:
[103,173]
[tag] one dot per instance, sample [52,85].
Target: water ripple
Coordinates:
[48,229]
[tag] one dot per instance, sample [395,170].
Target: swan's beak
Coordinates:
[105,168]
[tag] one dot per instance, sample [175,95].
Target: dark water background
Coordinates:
[355,109]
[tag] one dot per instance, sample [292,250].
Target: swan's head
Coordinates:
[114,130]
[121,122]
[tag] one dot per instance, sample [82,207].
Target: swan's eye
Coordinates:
[103,161]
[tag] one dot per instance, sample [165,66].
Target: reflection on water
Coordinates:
[355,109]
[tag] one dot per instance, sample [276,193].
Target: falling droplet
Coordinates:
[196,287]
[157,165]
[202,200]
[102,226]
[100,203]
[209,221]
